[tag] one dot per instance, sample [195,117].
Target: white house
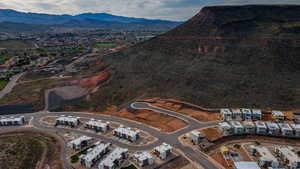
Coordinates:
[114,159]
[266,158]
[238,128]
[68,120]
[81,142]
[126,133]
[94,154]
[237,114]
[144,159]
[261,127]
[273,128]
[286,129]
[278,115]
[226,114]
[163,151]
[97,125]
[247,114]
[12,121]
[226,128]
[249,127]
[256,114]
[296,128]
[196,136]
[288,157]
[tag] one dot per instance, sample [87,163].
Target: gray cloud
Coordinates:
[162,9]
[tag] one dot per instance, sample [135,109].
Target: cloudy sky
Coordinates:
[158,9]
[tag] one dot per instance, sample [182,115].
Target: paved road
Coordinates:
[11,84]
[170,138]
[173,138]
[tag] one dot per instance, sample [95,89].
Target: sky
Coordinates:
[178,10]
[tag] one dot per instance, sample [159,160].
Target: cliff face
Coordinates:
[237,56]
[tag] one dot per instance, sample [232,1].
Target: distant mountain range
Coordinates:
[13,18]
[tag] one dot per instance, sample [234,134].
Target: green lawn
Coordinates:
[4,58]
[3,84]
[106,44]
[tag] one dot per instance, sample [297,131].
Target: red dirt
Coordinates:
[199,115]
[202,116]
[220,159]
[212,133]
[160,121]
[92,82]
[244,154]
[177,164]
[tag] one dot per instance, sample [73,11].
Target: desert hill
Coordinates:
[237,56]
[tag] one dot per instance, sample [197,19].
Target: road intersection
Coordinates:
[170,138]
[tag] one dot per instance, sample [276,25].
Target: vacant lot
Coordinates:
[160,121]
[29,151]
[188,109]
[30,93]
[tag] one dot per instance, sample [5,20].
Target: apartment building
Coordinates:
[273,128]
[81,142]
[97,125]
[247,114]
[288,157]
[249,127]
[163,151]
[237,114]
[226,128]
[261,127]
[265,157]
[278,115]
[144,159]
[238,128]
[114,159]
[68,120]
[94,154]
[286,129]
[196,136]
[256,114]
[296,128]
[12,121]
[226,114]
[126,133]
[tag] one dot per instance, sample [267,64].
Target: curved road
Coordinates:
[170,138]
[173,138]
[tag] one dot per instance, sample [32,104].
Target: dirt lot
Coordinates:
[212,133]
[203,116]
[163,122]
[218,156]
[177,164]
[29,150]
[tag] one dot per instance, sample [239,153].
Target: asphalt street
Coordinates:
[170,138]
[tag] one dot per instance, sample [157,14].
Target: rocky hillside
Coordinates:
[237,56]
